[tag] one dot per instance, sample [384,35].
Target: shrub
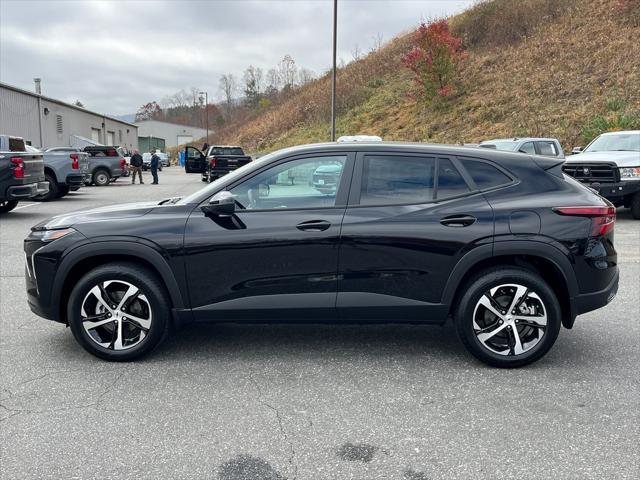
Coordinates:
[617,117]
[434,58]
[496,23]
[630,11]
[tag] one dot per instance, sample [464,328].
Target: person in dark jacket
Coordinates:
[136,166]
[155,161]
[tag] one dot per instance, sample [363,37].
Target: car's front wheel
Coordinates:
[508,317]
[119,311]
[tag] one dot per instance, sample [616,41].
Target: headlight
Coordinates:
[630,173]
[51,235]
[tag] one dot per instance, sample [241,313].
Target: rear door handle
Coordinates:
[313,226]
[458,220]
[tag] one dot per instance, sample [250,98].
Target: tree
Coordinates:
[287,71]
[78,103]
[434,58]
[273,81]
[252,85]
[149,111]
[305,76]
[377,42]
[356,53]
[228,86]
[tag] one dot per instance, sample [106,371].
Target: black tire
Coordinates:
[101,177]
[53,190]
[62,191]
[635,206]
[151,288]
[476,287]
[7,205]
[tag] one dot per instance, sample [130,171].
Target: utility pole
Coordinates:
[206,112]
[333,78]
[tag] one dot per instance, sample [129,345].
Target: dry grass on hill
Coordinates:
[549,79]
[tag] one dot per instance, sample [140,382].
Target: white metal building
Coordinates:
[172,133]
[46,122]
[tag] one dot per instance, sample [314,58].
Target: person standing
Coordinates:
[136,166]
[155,162]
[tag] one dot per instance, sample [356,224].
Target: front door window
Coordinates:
[304,183]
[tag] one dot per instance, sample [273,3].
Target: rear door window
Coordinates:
[450,182]
[547,149]
[484,174]
[528,147]
[391,179]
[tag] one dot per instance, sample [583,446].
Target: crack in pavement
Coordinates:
[97,403]
[292,456]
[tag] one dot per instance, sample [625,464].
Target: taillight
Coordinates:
[603,219]
[212,162]
[123,163]
[18,167]
[75,165]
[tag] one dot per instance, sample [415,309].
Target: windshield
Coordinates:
[506,145]
[228,178]
[619,142]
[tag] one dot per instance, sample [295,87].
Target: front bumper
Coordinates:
[17,192]
[617,191]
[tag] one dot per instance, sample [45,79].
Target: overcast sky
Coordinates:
[117,55]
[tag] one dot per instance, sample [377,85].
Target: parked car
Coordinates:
[326,178]
[21,173]
[548,147]
[146,161]
[106,164]
[216,162]
[65,172]
[506,244]
[611,165]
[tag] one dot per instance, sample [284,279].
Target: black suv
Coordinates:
[505,243]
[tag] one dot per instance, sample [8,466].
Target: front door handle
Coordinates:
[313,226]
[458,220]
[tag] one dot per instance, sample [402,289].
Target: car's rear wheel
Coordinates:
[101,177]
[62,191]
[635,206]
[119,312]
[508,317]
[7,205]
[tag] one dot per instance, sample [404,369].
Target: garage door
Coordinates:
[95,135]
[182,139]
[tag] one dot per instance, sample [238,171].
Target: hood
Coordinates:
[126,210]
[621,159]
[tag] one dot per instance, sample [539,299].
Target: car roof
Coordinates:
[417,147]
[521,139]
[623,132]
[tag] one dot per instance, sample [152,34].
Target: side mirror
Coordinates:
[576,150]
[222,204]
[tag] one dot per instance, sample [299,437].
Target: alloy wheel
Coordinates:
[509,319]
[116,315]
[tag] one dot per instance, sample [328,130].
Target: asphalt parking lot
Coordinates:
[237,402]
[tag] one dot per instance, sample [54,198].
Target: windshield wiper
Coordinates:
[169,201]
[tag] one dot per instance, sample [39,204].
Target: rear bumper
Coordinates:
[591,301]
[75,180]
[17,192]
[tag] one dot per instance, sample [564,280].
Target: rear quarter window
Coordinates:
[485,175]
[16,145]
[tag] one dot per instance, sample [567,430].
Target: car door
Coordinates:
[277,256]
[404,230]
[195,160]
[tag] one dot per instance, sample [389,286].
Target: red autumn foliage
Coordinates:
[434,58]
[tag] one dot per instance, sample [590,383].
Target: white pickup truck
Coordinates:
[611,165]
